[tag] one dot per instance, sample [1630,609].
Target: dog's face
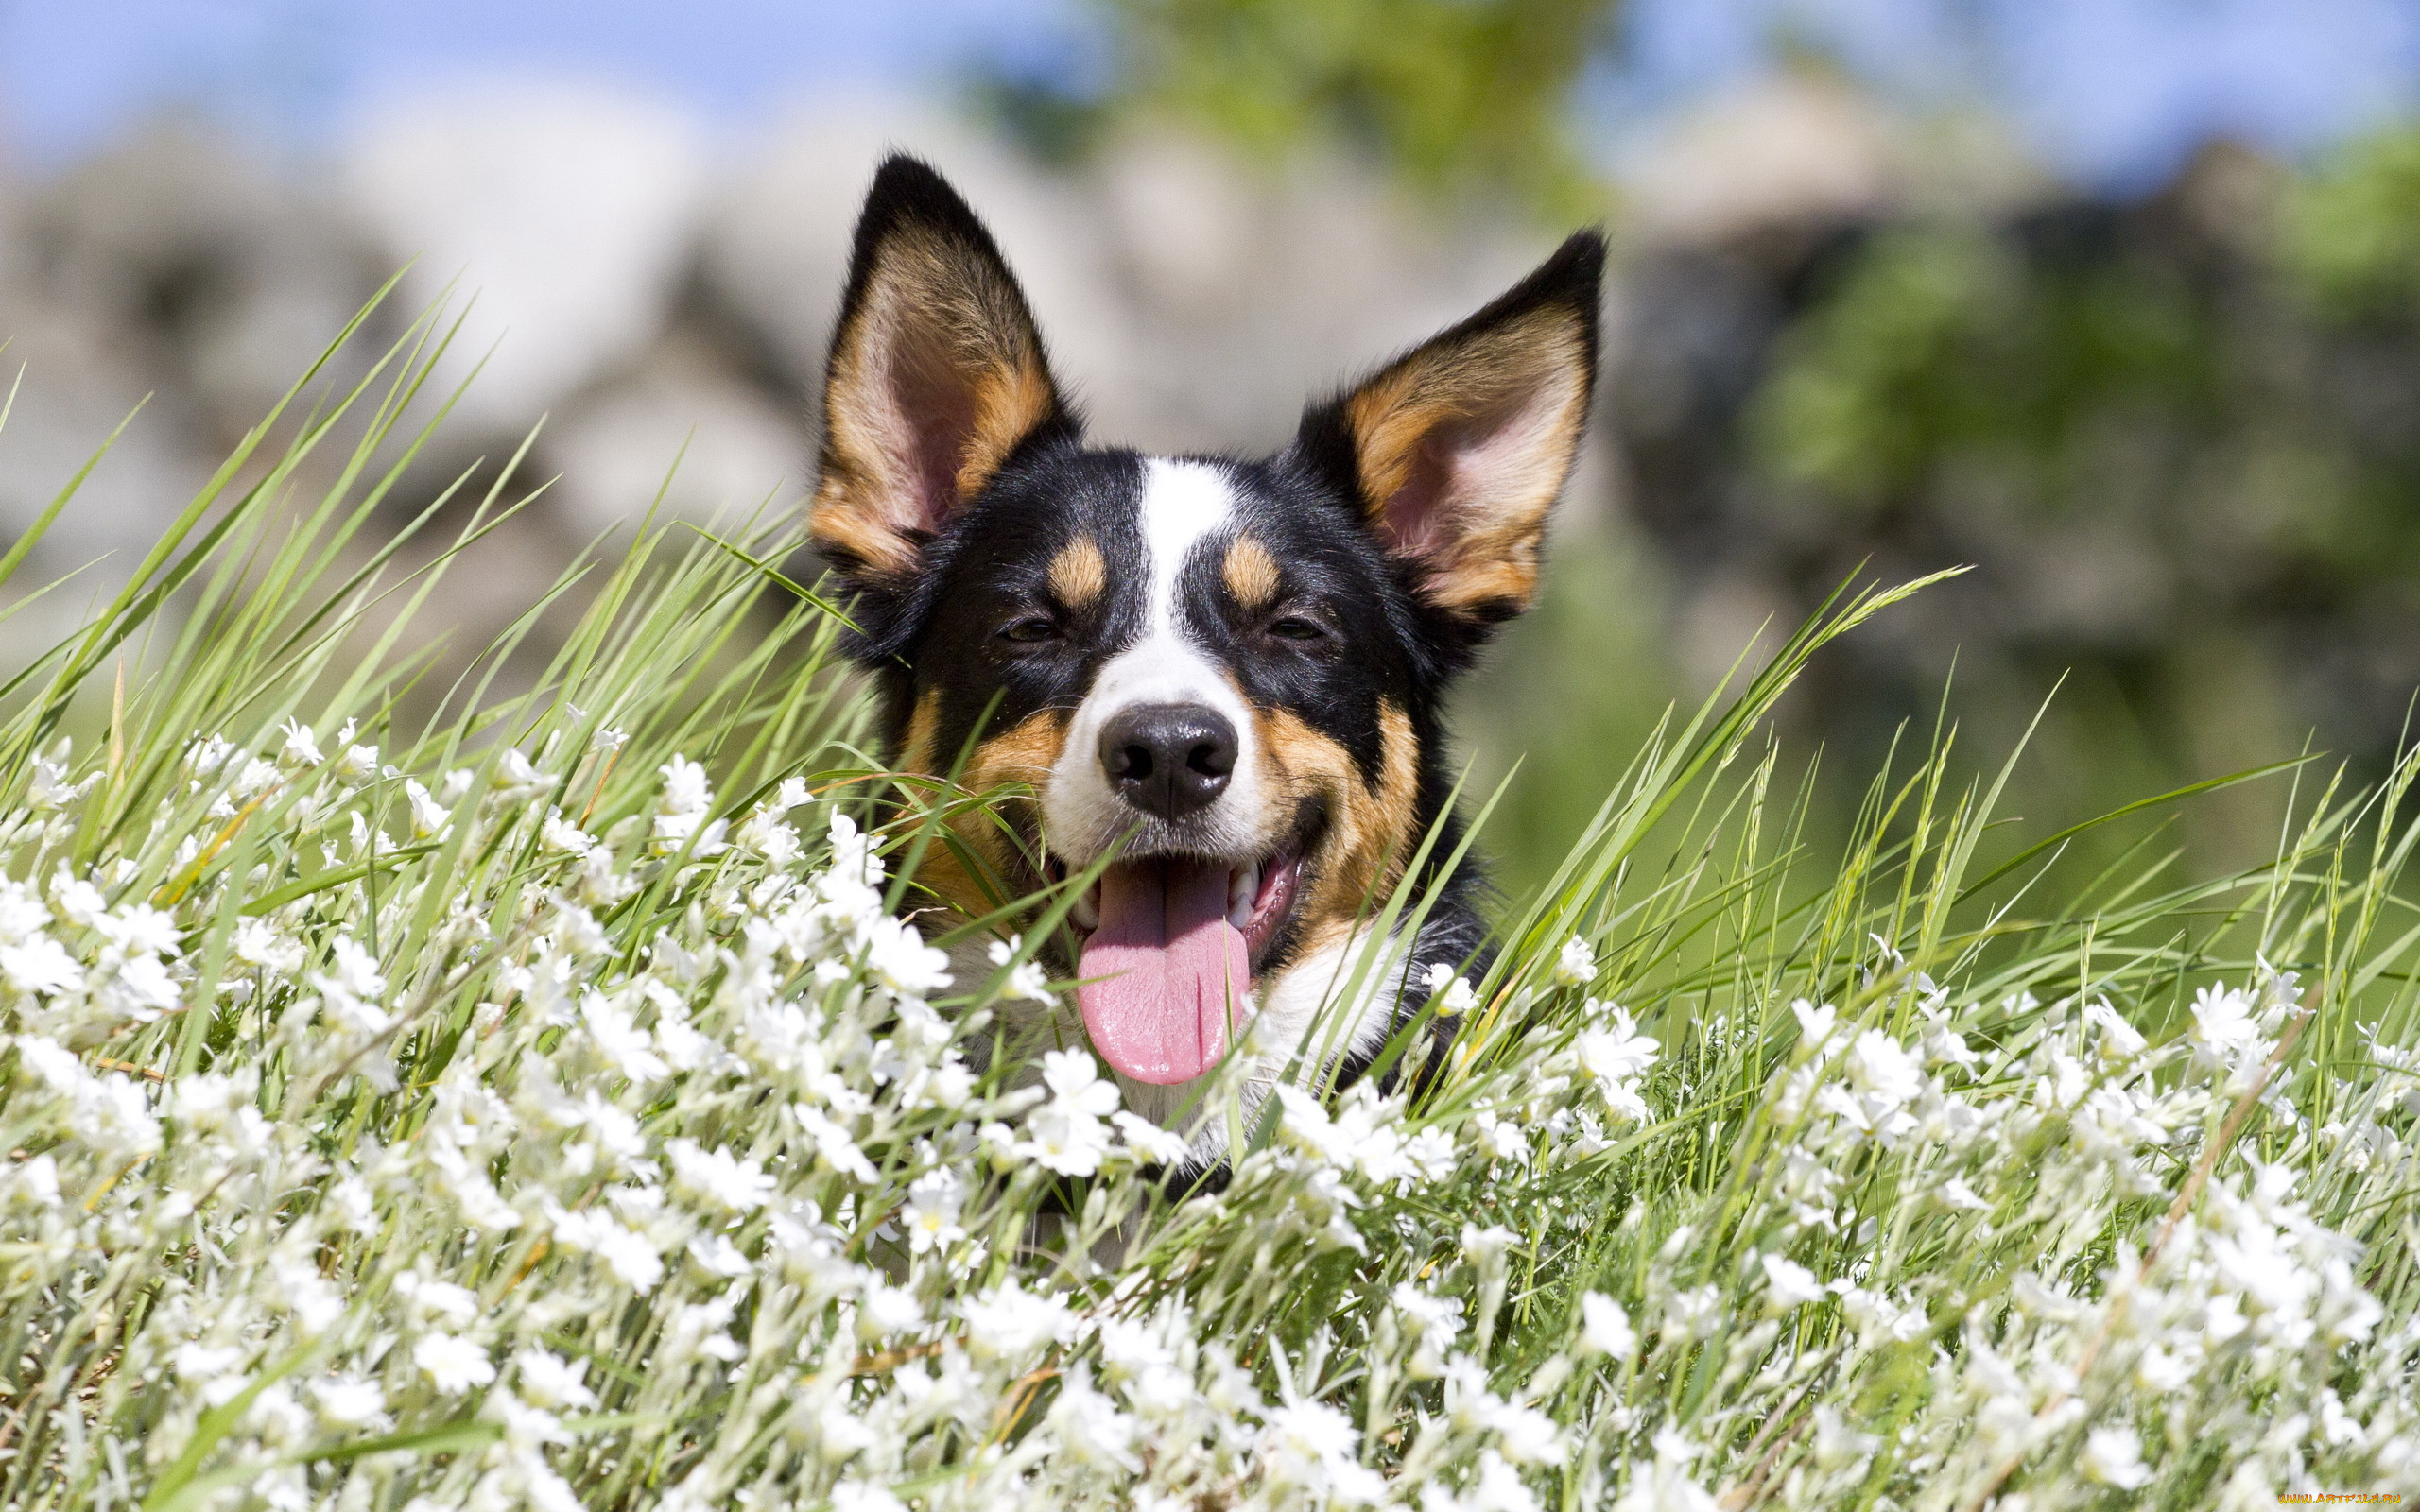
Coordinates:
[1223,673]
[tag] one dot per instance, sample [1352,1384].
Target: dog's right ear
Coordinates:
[936,376]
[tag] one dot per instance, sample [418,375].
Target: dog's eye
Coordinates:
[1032,628]
[1297,627]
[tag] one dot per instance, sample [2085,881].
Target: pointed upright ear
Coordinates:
[936,375]
[1456,451]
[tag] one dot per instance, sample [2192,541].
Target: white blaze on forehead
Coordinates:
[1182,504]
[1183,501]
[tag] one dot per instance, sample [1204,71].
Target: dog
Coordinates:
[1220,679]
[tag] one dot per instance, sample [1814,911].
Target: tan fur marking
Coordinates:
[1368,837]
[1009,403]
[998,833]
[1484,550]
[916,751]
[1022,754]
[1250,573]
[1078,575]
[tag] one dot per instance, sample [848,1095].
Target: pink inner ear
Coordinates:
[1471,470]
[930,415]
[1414,520]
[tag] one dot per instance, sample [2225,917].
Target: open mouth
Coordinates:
[1170,945]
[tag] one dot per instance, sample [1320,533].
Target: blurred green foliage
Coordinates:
[1571,690]
[1939,339]
[2354,234]
[1457,95]
[2180,437]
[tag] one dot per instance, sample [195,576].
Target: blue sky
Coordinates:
[2116,94]
[74,72]
[2113,93]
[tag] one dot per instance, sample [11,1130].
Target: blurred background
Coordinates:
[2117,301]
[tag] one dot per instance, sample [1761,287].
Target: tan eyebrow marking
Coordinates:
[1078,575]
[1250,573]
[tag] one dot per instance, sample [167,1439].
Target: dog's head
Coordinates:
[1225,673]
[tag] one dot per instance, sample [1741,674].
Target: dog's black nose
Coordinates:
[1168,759]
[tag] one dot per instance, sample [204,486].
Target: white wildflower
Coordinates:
[1788,1284]
[349,1401]
[858,1496]
[1311,1445]
[1605,1326]
[884,1310]
[547,1380]
[142,988]
[1815,1024]
[898,958]
[42,965]
[258,942]
[626,1252]
[1435,1321]
[1664,1483]
[1838,1447]
[430,819]
[2225,1033]
[1149,1141]
[682,808]
[1066,1134]
[2119,1041]
[834,1143]
[2114,1457]
[1616,1055]
[22,914]
[453,1365]
[559,833]
[138,928]
[1029,980]
[515,773]
[1695,1312]
[1459,997]
[1486,1247]
[300,748]
[1009,1323]
[1883,1071]
[1956,1195]
[619,1041]
[740,1186]
[1090,1428]
[934,1201]
[1575,965]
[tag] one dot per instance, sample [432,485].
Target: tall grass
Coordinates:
[545,1104]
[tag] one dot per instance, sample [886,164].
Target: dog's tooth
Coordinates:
[1086,912]
[1243,890]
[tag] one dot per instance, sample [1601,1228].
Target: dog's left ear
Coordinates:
[1457,450]
[936,376]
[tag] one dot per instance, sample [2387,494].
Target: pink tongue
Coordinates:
[1163,969]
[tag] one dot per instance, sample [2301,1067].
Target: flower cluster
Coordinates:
[548,1131]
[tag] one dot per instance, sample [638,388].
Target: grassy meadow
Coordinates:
[539,1102]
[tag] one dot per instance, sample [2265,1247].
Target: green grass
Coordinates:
[507,1116]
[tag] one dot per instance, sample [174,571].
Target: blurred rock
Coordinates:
[1255,289]
[565,213]
[75,390]
[737,452]
[776,243]
[1787,150]
[194,264]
